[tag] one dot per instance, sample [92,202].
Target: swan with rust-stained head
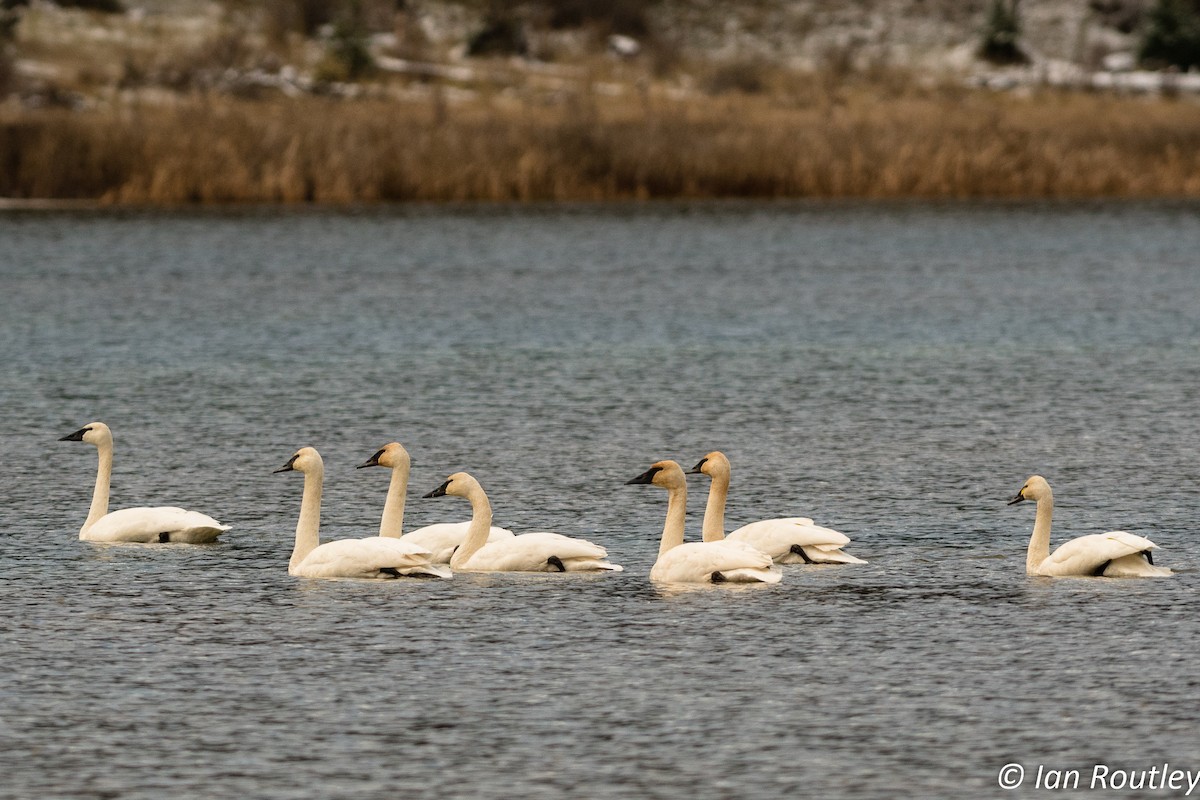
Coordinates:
[788,540]
[529,552]
[374,557]
[699,562]
[1115,554]
[146,524]
[441,538]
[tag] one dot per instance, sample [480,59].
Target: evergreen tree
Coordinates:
[1000,34]
[1172,34]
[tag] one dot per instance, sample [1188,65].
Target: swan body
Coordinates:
[374,557]
[700,562]
[1115,554]
[540,551]
[788,540]
[441,539]
[143,524]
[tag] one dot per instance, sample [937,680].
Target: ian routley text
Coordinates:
[1102,777]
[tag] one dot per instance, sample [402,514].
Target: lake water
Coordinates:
[893,371]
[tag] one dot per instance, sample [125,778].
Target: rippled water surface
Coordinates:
[895,372]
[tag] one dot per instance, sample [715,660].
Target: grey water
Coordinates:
[893,371]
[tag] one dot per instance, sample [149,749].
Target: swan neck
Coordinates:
[672,535]
[392,523]
[477,531]
[100,492]
[309,526]
[1039,543]
[714,509]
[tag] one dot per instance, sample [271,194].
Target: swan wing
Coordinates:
[372,557]
[442,538]
[1085,555]
[695,562]
[154,524]
[576,555]
[775,537]
[531,552]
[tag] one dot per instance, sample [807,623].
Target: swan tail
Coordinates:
[590,565]
[816,554]
[426,571]
[194,535]
[789,557]
[833,556]
[1138,565]
[1116,554]
[747,575]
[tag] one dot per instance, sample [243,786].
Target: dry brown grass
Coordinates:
[851,143]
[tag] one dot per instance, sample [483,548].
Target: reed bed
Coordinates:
[858,144]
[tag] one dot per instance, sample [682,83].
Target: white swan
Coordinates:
[373,557]
[146,524]
[699,562]
[528,552]
[1115,554]
[788,540]
[442,538]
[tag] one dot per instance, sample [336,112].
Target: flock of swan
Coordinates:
[750,554]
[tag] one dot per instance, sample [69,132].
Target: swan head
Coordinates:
[391,455]
[667,474]
[460,484]
[713,465]
[1036,488]
[94,433]
[306,460]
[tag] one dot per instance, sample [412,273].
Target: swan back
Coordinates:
[443,538]
[541,551]
[159,524]
[373,557]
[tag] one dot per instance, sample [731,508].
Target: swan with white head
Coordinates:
[1115,554]
[699,562]
[162,524]
[372,558]
[441,538]
[540,551]
[788,540]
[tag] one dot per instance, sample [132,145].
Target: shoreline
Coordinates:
[854,144]
[16,205]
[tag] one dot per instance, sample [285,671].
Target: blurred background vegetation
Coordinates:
[179,101]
